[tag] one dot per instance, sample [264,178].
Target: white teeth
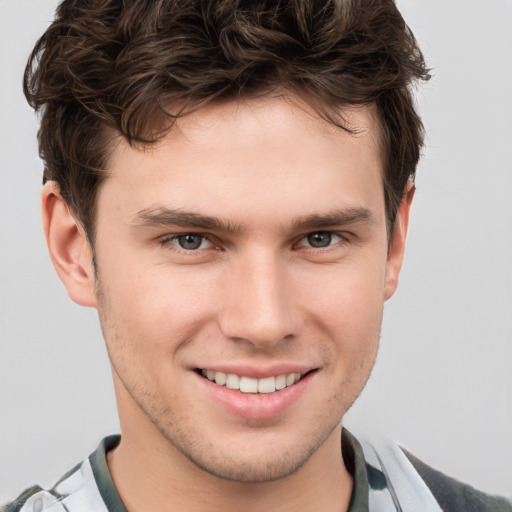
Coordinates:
[280,382]
[290,379]
[232,381]
[249,385]
[220,378]
[267,385]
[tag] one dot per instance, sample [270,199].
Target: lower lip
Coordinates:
[256,406]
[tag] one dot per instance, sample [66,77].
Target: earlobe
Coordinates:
[397,243]
[68,246]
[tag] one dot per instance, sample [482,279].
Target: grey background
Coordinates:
[443,382]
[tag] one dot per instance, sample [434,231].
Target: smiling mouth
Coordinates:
[246,384]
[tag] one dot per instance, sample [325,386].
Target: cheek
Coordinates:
[153,306]
[349,308]
[349,298]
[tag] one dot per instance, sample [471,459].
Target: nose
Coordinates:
[259,301]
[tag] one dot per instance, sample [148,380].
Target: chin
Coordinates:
[255,457]
[252,469]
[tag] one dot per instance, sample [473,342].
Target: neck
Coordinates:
[151,475]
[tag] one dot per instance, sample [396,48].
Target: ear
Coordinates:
[397,242]
[69,247]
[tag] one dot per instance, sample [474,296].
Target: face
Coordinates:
[242,266]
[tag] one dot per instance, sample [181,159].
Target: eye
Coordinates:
[189,241]
[320,239]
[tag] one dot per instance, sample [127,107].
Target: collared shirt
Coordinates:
[386,479]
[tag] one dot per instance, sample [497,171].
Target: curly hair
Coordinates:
[106,68]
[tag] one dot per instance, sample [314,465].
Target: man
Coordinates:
[229,185]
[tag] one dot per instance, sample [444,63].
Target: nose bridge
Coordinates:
[259,304]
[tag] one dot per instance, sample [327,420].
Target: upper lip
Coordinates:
[258,372]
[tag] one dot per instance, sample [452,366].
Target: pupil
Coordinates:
[190,242]
[320,239]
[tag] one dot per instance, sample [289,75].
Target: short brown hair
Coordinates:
[118,67]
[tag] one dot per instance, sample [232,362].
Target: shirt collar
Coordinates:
[352,453]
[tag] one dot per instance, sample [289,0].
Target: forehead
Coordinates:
[253,155]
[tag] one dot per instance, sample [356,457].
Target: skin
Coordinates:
[254,295]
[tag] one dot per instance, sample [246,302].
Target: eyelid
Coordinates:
[169,239]
[165,240]
[341,235]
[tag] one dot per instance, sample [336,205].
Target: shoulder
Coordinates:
[87,487]
[18,503]
[455,496]
[76,490]
[412,483]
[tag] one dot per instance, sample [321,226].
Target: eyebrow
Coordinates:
[159,216]
[162,216]
[342,217]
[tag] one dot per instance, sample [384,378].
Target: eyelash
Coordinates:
[169,240]
[174,241]
[341,237]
